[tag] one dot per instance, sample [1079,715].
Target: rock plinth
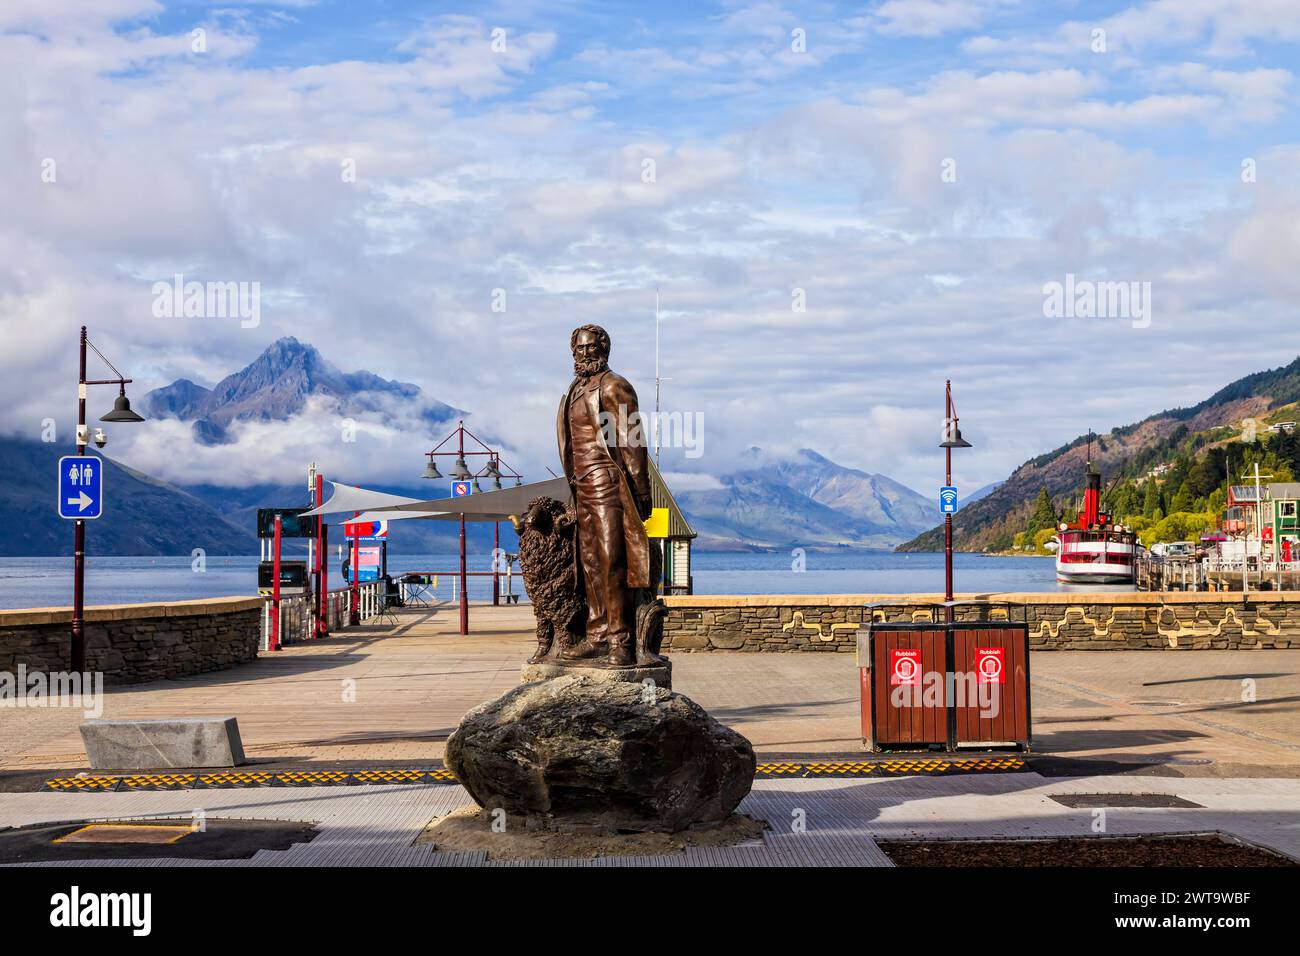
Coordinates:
[658,673]
[571,752]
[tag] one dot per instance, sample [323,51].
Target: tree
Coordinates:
[1044,514]
[1207,474]
[1041,538]
[1151,499]
[1182,500]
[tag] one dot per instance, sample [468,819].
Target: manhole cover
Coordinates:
[154,833]
[1088,800]
[1159,702]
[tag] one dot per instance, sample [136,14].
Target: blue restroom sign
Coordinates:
[81,487]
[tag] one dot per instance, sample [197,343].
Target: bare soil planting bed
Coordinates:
[1188,850]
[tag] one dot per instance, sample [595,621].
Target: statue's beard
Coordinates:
[587,367]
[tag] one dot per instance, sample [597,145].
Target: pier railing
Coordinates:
[1156,573]
[297,622]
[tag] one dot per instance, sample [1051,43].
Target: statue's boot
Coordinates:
[543,648]
[585,649]
[620,650]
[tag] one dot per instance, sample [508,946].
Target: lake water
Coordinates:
[47,582]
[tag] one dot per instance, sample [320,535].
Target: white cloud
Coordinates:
[477,172]
[932,18]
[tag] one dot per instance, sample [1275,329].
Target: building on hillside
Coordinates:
[667,525]
[1271,519]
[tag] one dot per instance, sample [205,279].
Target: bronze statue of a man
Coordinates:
[603,450]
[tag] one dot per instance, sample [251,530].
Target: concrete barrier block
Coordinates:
[172,743]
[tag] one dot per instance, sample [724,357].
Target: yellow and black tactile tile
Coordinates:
[233,778]
[890,766]
[96,784]
[158,781]
[226,779]
[311,778]
[373,777]
[780,770]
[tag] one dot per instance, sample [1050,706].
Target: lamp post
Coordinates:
[951,439]
[461,472]
[121,413]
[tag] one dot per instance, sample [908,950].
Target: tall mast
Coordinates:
[657,379]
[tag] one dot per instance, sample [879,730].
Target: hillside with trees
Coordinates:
[1167,475]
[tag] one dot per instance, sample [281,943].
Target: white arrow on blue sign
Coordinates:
[948,500]
[81,486]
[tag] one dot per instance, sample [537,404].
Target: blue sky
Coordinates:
[776,169]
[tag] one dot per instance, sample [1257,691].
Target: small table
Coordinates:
[418,589]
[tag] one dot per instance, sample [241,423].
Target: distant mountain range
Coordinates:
[988,523]
[275,387]
[767,503]
[142,515]
[804,500]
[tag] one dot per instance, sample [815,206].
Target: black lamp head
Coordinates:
[121,410]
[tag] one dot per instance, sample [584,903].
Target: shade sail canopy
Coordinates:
[349,499]
[490,505]
[483,506]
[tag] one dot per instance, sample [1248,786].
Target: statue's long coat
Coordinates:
[605,392]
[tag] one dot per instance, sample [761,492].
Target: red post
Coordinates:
[947,518]
[322,566]
[273,638]
[354,618]
[325,579]
[464,598]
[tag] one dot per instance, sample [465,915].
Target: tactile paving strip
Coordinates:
[930,766]
[228,779]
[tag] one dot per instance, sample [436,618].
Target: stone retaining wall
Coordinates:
[1172,620]
[131,643]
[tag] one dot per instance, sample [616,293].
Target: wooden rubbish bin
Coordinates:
[945,685]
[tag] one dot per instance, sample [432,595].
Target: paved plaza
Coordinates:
[389,695]
[393,693]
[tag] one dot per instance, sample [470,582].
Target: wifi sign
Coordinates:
[948,500]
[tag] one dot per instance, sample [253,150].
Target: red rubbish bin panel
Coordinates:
[991,678]
[907,714]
